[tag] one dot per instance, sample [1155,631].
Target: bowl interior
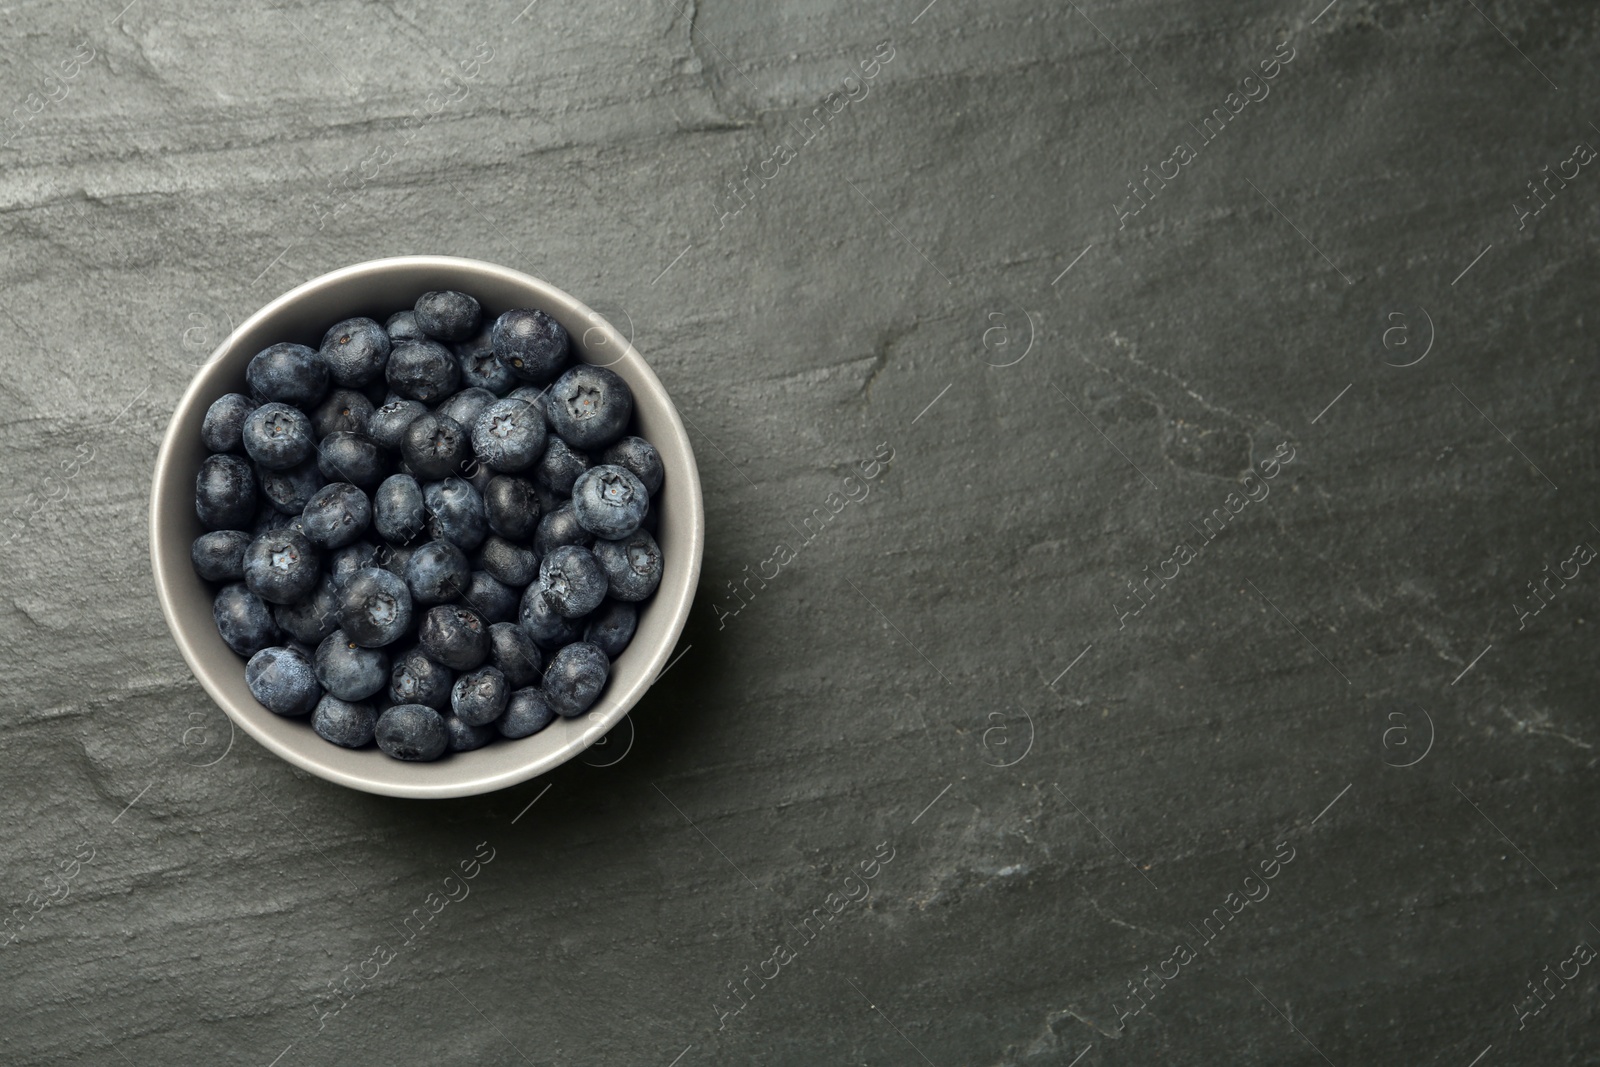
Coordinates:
[377,290]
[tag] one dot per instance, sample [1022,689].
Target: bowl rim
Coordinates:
[680,596]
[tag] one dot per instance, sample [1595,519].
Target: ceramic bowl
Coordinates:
[378,289]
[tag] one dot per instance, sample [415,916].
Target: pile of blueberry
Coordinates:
[428,533]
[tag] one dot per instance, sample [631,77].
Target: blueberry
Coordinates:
[270,518]
[344,723]
[548,629]
[560,527]
[223,428]
[509,435]
[527,712]
[355,352]
[448,315]
[292,374]
[508,562]
[349,671]
[395,559]
[308,651]
[551,501]
[589,407]
[560,466]
[243,620]
[477,475]
[455,513]
[281,566]
[218,556]
[632,565]
[535,346]
[611,627]
[336,515]
[464,737]
[639,456]
[437,572]
[374,608]
[466,406]
[423,370]
[225,492]
[352,457]
[435,446]
[388,423]
[479,696]
[481,367]
[412,732]
[454,636]
[609,501]
[572,581]
[575,677]
[493,600]
[312,617]
[291,490]
[397,509]
[513,654]
[356,556]
[283,681]
[278,436]
[511,507]
[416,679]
[344,409]
[401,327]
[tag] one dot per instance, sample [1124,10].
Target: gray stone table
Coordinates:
[1150,761]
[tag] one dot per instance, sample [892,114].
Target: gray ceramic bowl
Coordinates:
[378,289]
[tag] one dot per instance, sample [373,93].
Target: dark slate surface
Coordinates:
[954,671]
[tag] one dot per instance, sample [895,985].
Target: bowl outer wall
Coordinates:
[377,289]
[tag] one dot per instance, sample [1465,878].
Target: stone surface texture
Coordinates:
[950,682]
